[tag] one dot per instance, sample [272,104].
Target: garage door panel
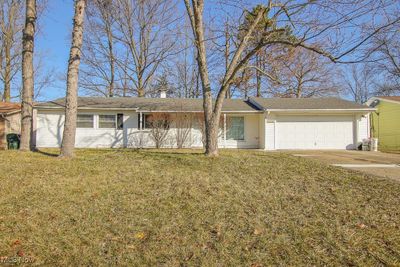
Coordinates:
[314,133]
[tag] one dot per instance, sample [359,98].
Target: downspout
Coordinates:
[140,121]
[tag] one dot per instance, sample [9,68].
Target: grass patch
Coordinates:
[173,208]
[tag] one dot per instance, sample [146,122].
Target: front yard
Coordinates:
[245,208]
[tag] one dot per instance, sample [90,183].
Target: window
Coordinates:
[120,121]
[106,121]
[157,119]
[235,128]
[84,121]
[146,121]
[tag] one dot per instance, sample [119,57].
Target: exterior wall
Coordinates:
[50,127]
[270,130]
[2,134]
[9,124]
[251,133]
[13,123]
[364,128]
[386,125]
[261,128]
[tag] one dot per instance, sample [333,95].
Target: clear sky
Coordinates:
[53,40]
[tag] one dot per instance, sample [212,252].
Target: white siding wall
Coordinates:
[261,127]
[50,128]
[251,133]
[270,135]
[363,128]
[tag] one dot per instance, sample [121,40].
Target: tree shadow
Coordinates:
[46,153]
[172,151]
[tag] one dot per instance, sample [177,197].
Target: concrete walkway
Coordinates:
[376,163]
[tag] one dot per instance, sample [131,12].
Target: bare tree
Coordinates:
[71,101]
[387,60]
[10,46]
[272,24]
[159,124]
[303,73]
[358,82]
[146,29]
[183,123]
[98,73]
[28,75]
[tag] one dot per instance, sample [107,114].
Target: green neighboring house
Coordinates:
[385,122]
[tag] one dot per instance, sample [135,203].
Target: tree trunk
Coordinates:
[141,90]
[112,65]
[27,75]
[258,75]
[71,101]
[7,72]
[212,128]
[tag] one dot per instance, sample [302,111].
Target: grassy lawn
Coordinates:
[245,208]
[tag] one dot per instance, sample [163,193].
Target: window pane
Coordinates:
[147,121]
[106,121]
[236,128]
[84,121]
[120,121]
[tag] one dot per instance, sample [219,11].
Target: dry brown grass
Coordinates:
[125,207]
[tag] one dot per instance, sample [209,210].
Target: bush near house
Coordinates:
[180,208]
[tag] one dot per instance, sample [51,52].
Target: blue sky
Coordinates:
[53,40]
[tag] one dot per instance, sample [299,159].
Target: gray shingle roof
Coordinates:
[254,104]
[151,104]
[306,103]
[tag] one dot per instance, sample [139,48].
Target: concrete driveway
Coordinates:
[376,163]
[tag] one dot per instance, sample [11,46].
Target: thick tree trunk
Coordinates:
[141,90]
[71,103]
[212,128]
[27,75]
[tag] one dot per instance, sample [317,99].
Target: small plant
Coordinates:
[159,124]
[183,125]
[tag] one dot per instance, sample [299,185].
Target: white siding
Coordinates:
[270,135]
[363,128]
[50,127]
[261,127]
[251,133]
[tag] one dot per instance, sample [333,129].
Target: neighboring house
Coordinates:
[385,122]
[276,123]
[10,121]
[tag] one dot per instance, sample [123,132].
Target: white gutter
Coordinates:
[10,113]
[148,111]
[199,111]
[323,110]
[84,108]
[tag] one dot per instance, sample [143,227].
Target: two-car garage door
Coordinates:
[314,132]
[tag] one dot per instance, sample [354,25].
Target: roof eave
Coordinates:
[341,110]
[381,99]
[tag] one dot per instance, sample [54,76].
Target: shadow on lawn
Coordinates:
[46,153]
[172,151]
